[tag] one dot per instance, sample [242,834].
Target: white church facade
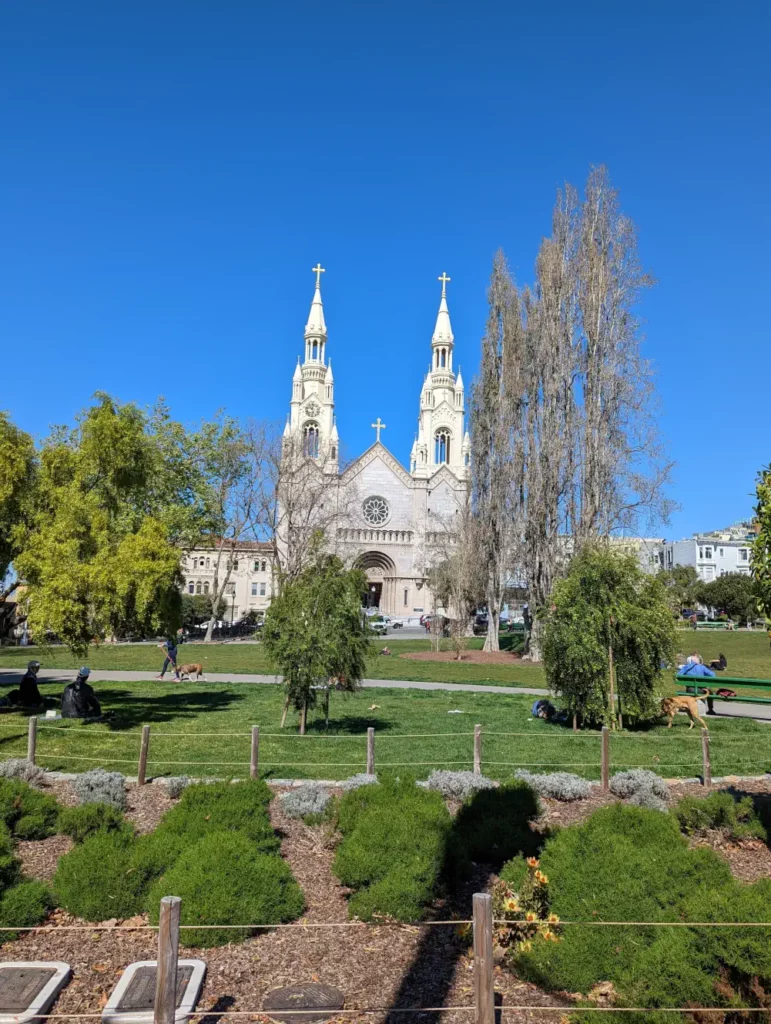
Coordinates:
[397,522]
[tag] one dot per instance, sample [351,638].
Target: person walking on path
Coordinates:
[170,648]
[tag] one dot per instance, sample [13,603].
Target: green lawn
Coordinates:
[204,730]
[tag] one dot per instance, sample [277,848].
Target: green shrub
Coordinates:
[24,905]
[495,825]
[86,819]
[28,813]
[224,807]
[223,879]
[632,864]
[97,880]
[9,865]
[155,853]
[731,814]
[393,848]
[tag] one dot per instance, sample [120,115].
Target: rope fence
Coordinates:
[482,923]
[497,749]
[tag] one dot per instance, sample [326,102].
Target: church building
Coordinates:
[397,522]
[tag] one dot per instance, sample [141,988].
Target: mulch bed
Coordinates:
[375,967]
[468,657]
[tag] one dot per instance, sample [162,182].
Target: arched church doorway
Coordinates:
[377,566]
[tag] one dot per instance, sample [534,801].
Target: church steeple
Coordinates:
[442,340]
[316,328]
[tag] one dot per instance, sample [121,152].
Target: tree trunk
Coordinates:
[535,650]
[286,709]
[493,625]
[612,687]
[303,717]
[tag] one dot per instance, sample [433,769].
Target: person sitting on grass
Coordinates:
[170,648]
[28,695]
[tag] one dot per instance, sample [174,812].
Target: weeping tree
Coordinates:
[761,549]
[315,633]
[606,636]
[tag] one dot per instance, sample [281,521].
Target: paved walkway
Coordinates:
[12,676]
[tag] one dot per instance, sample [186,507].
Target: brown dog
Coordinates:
[192,670]
[671,705]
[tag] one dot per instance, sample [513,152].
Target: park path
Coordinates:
[12,676]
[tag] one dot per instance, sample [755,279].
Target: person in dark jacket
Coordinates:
[28,695]
[170,648]
[79,699]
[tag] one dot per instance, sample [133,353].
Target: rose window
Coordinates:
[376,511]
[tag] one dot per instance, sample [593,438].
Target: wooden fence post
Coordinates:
[143,751]
[477,749]
[168,949]
[605,758]
[484,990]
[370,751]
[255,759]
[32,739]
[707,770]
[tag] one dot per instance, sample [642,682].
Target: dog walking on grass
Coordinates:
[671,705]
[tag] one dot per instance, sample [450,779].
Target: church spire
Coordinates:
[442,340]
[316,328]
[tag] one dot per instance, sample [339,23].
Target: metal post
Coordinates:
[477,749]
[370,751]
[254,764]
[168,949]
[484,991]
[605,758]
[32,739]
[143,751]
[707,771]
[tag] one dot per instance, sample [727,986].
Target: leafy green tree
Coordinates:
[17,482]
[733,594]
[315,632]
[683,585]
[196,608]
[761,549]
[608,633]
[99,555]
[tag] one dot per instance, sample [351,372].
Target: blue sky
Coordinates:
[172,169]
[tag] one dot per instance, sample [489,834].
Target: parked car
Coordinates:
[379,625]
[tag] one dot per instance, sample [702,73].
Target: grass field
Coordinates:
[748,655]
[203,730]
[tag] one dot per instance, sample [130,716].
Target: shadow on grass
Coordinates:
[357,724]
[489,830]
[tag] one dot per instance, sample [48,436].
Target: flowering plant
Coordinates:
[522,918]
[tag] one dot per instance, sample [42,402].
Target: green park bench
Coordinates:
[713,625]
[693,684]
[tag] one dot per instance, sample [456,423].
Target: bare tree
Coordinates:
[455,577]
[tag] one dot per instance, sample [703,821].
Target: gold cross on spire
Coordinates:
[444,279]
[378,426]
[318,270]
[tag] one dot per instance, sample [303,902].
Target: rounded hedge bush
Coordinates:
[97,880]
[24,905]
[28,813]
[83,821]
[224,807]
[223,879]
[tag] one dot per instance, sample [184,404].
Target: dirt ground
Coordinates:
[470,657]
[375,967]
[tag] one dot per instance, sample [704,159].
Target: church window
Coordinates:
[198,587]
[375,510]
[191,587]
[406,595]
[315,350]
[442,446]
[311,440]
[443,356]
[334,451]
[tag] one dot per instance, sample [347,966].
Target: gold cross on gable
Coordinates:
[318,270]
[444,279]
[378,426]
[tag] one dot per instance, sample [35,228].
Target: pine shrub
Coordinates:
[99,786]
[24,905]
[224,807]
[21,768]
[84,820]
[223,879]
[563,786]
[9,866]
[457,785]
[97,879]
[393,848]
[28,813]
[495,825]
[309,800]
[722,811]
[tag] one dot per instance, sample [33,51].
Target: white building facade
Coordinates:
[398,521]
[711,555]
[250,581]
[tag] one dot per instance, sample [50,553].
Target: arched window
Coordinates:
[207,563]
[442,446]
[443,356]
[315,350]
[206,587]
[198,587]
[191,587]
[263,566]
[334,452]
[311,440]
